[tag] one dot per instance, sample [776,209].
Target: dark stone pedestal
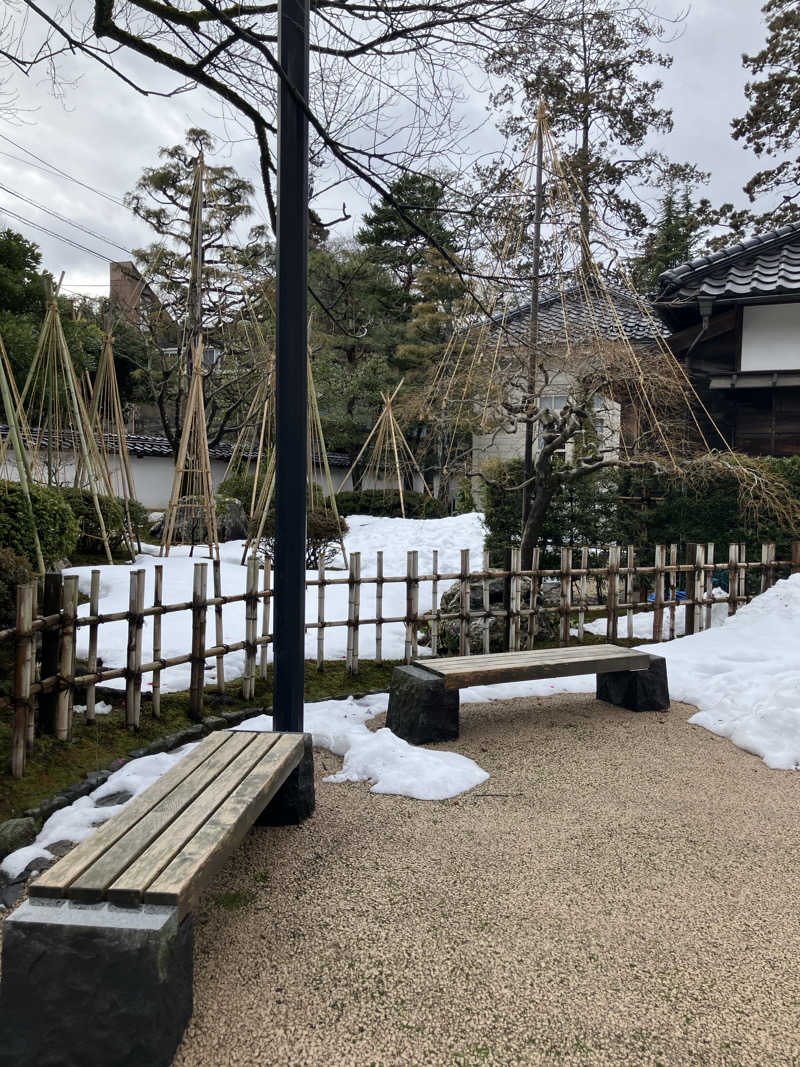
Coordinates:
[636,690]
[295,800]
[94,985]
[421,710]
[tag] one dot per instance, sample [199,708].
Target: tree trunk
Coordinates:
[539,503]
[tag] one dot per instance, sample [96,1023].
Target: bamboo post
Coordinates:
[741,575]
[795,557]
[708,584]
[516,597]
[697,591]
[91,663]
[133,673]
[23,710]
[355,578]
[463,605]
[250,628]
[658,608]
[32,714]
[673,588]
[611,596]
[767,566]
[66,660]
[733,577]
[321,613]
[198,661]
[565,581]
[535,585]
[51,605]
[487,618]
[582,592]
[630,571]
[158,576]
[434,601]
[218,631]
[507,600]
[265,615]
[412,604]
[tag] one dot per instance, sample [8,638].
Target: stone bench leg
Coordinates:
[645,690]
[421,710]
[94,985]
[295,800]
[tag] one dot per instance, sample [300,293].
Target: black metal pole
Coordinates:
[291,381]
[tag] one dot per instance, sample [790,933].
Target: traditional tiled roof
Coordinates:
[153,445]
[608,312]
[767,265]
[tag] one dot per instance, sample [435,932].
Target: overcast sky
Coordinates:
[104,134]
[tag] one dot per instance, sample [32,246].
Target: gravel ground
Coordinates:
[623,890]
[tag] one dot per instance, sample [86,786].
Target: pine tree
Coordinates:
[771,126]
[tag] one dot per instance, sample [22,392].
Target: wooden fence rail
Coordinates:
[508,607]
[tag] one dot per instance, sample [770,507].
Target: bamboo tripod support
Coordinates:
[192,496]
[108,426]
[391,454]
[53,403]
[18,441]
[265,492]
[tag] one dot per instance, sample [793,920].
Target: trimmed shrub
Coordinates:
[239,487]
[322,537]
[111,508]
[14,570]
[387,503]
[55,522]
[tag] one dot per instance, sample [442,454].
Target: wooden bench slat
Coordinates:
[182,881]
[54,882]
[128,890]
[92,885]
[458,672]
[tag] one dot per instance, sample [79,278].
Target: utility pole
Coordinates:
[291,388]
[533,324]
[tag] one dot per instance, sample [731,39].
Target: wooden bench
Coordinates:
[423,699]
[97,964]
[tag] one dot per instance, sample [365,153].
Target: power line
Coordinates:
[68,222]
[63,173]
[52,233]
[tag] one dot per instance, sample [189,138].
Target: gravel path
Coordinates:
[623,890]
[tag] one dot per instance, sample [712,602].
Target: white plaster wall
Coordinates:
[771,337]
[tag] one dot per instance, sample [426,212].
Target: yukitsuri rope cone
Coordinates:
[18,441]
[320,497]
[191,504]
[390,457]
[108,426]
[65,452]
[595,339]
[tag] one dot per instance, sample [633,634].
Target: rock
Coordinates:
[33,868]
[232,519]
[47,807]
[137,753]
[12,894]
[113,798]
[233,718]
[61,848]
[214,722]
[16,833]
[545,625]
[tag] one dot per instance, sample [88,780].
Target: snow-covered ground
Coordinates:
[368,535]
[642,622]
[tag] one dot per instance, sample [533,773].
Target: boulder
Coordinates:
[16,833]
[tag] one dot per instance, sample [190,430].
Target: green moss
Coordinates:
[54,765]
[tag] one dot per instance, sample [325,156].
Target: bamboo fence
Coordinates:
[45,635]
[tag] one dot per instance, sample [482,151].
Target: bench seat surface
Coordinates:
[165,843]
[459,672]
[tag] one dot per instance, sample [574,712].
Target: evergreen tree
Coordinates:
[771,126]
[672,239]
[601,108]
